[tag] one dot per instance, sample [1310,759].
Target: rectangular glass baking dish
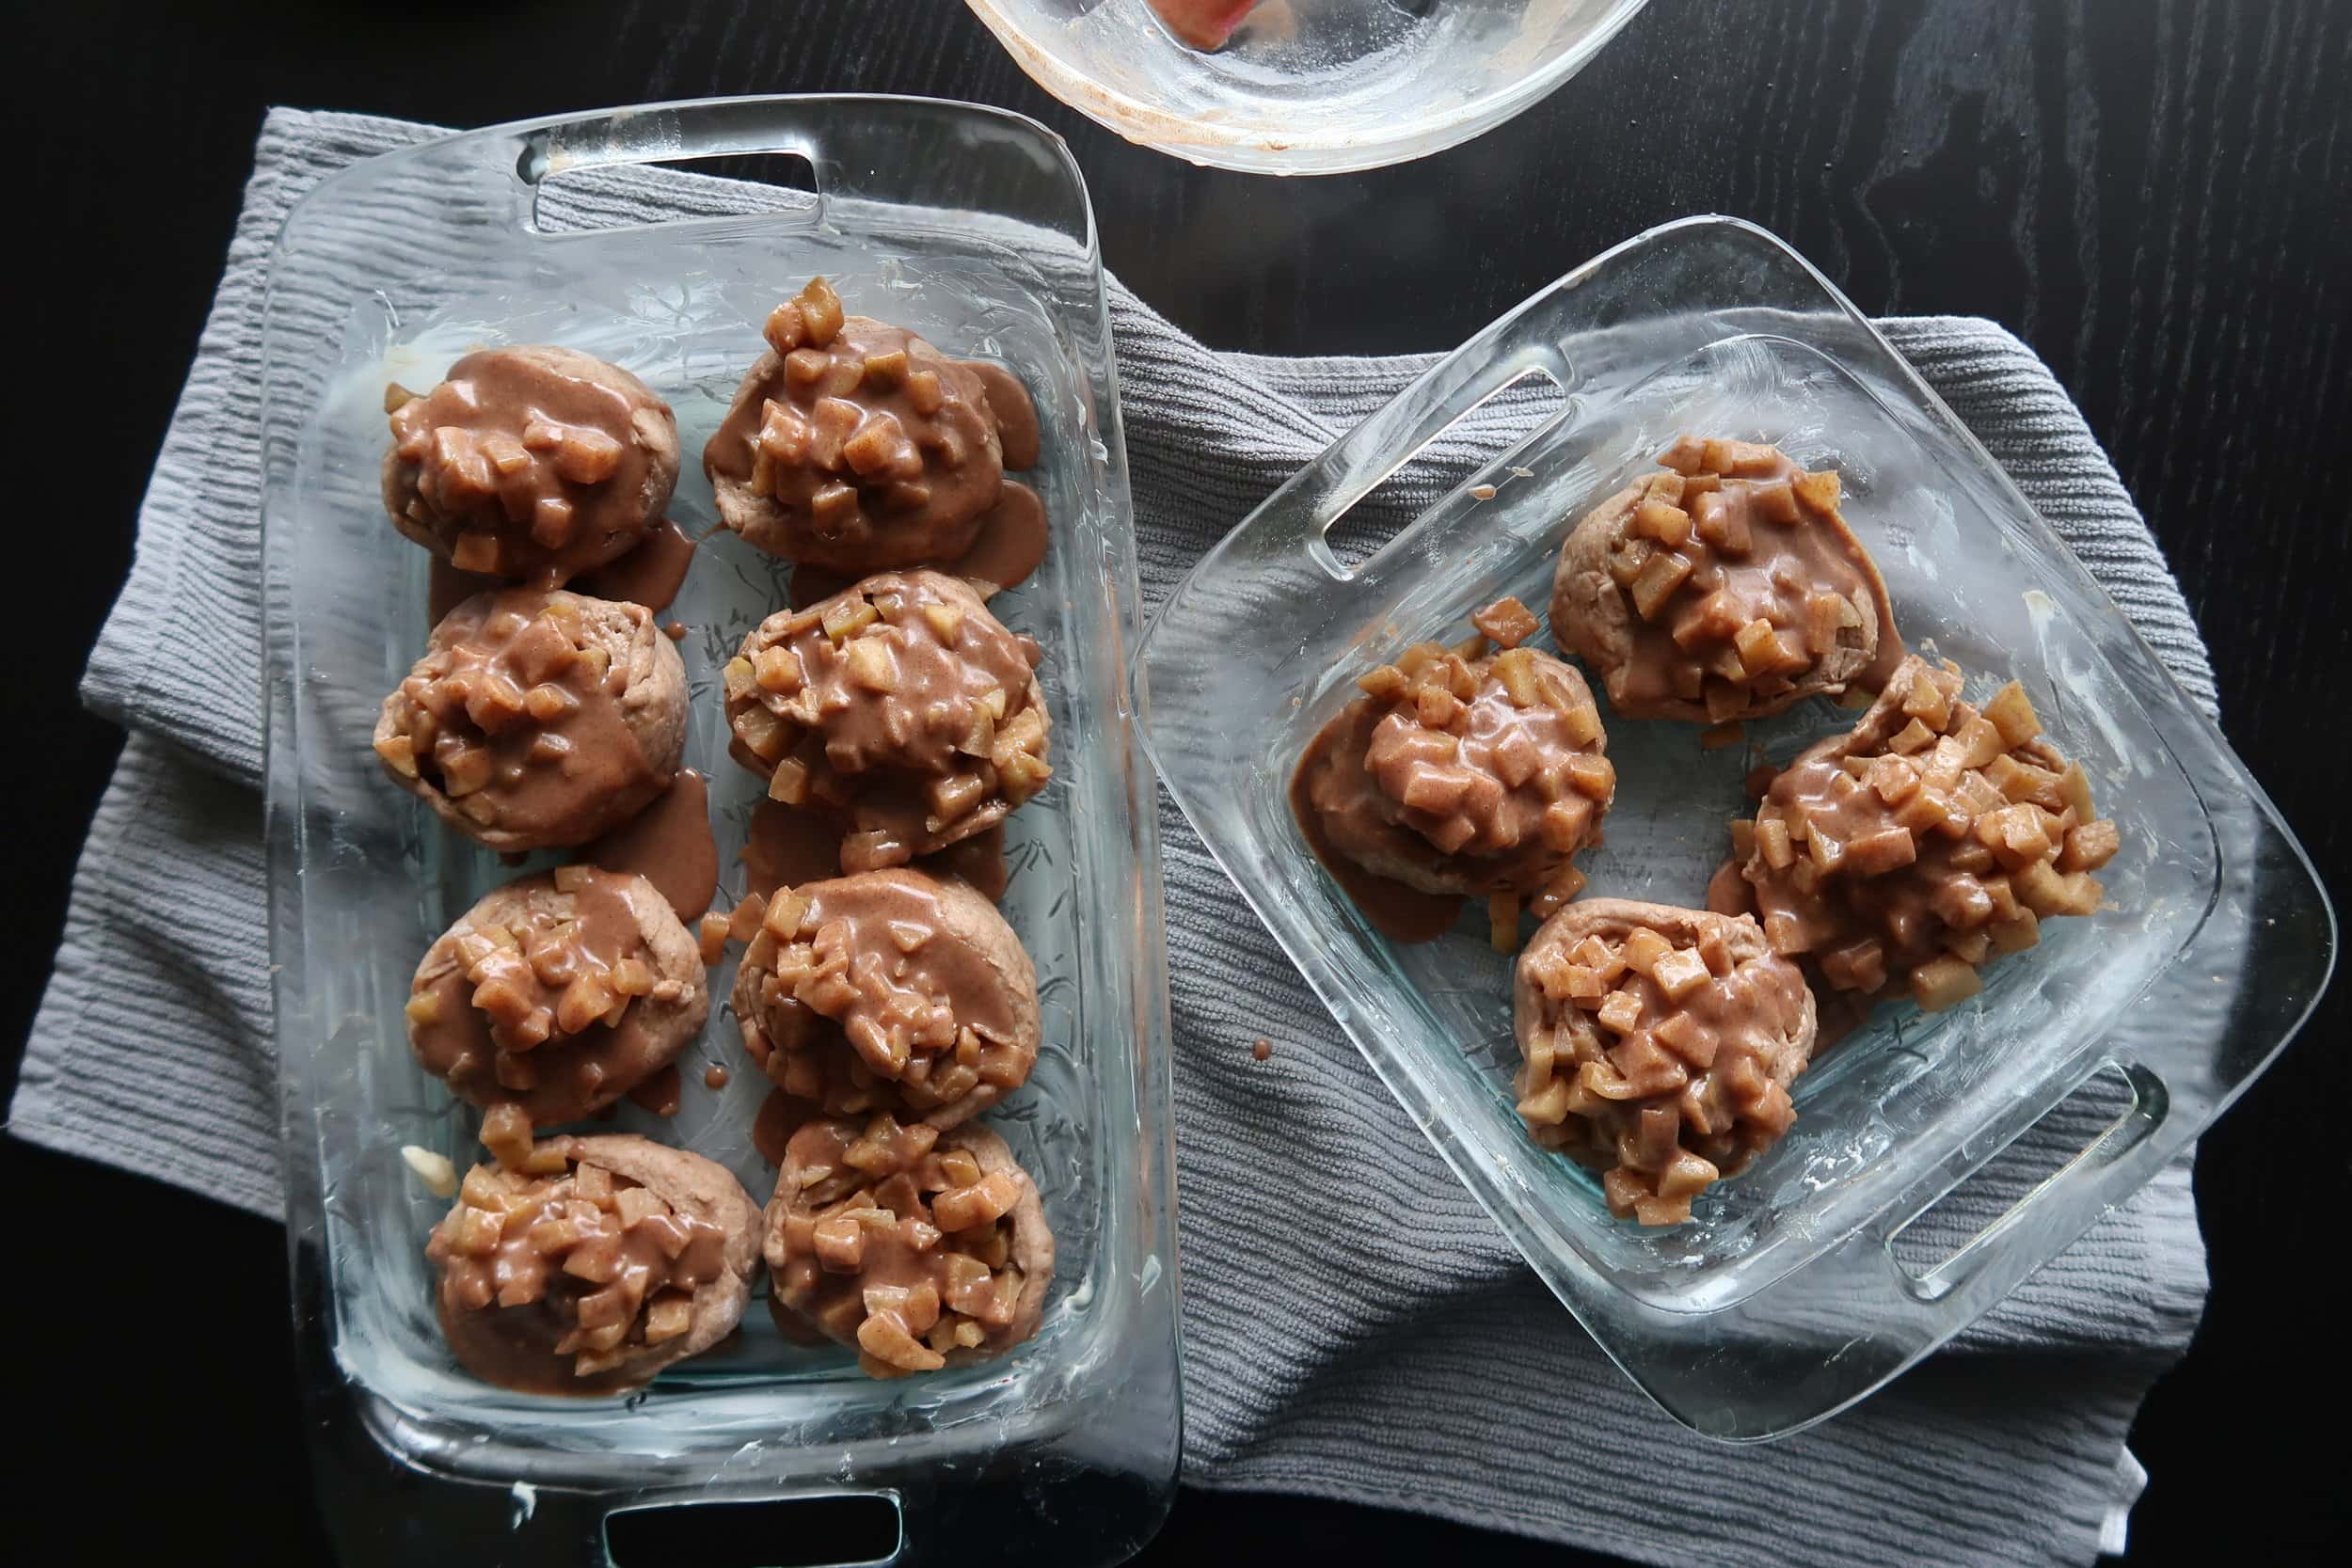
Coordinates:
[971,226]
[1783,1301]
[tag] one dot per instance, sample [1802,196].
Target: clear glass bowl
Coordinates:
[1307,86]
[1783,1300]
[972,226]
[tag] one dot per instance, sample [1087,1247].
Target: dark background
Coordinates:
[2156,196]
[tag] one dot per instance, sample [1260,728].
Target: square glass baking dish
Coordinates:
[1783,1301]
[971,226]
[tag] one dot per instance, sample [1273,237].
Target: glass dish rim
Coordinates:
[1302,151]
[1081,304]
[1292,520]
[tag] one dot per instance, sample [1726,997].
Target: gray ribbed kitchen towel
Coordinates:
[1405,1359]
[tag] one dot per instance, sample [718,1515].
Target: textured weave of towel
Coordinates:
[1407,1359]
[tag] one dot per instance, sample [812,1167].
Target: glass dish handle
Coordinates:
[1808,1363]
[1920,1309]
[899,152]
[2103,1173]
[1295,518]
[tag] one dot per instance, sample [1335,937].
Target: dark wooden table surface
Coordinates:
[2156,194]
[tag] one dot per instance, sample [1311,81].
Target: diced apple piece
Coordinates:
[507,1133]
[1979,741]
[1970,947]
[1944,982]
[671,1314]
[1894,780]
[845,618]
[1784,932]
[711,936]
[1722,523]
[1547,1106]
[2090,846]
[2011,713]
[1927,809]
[1762,650]
[1819,491]
[1649,1069]
[583,1002]
[399,753]
[1660,520]
[1962,902]
[776,669]
[1926,700]
[1515,668]
[1912,736]
[2027,783]
[1775,500]
[1502,921]
[1627,560]
[871,666]
[1644,948]
[475,552]
[1435,707]
[840,1242]
[1678,973]
[2074,785]
[1685,1174]
[1874,854]
[982,1203]
[1660,576]
[1688,1039]
[885,1338]
[767,736]
[477,1233]
[821,312]
[1858,965]
[2047,891]
[917,1306]
[1742,459]
[1688,455]
[1825,616]
[2015,933]
[1579,717]
[636,1205]
[1827,853]
[1662,1210]
[1620,1012]
[2015,836]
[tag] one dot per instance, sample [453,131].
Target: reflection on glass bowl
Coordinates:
[1305,87]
